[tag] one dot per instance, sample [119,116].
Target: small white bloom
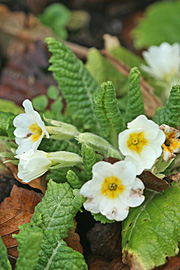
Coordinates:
[32,166]
[113,189]
[164,62]
[141,143]
[30,129]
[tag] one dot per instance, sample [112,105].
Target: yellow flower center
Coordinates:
[136,142]
[36,132]
[112,187]
[171,143]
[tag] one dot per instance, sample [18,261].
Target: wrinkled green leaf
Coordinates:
[4,262]
[89,159]
[160,24]
[73,180]
[56,255]
[29,252]
[76,83]
[170,113]
[101,218]
[57,208]
[6,124]
[151,231]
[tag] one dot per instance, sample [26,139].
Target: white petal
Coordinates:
[91,188]
[92,205]
[125,171]
[133,196]
[138,164]
[21,132]
[101,167]
[113,209]
[23,120]
[148,157]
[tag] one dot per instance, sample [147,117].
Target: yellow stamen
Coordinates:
[171,143]
[136,142]
[112,187]
[36,132]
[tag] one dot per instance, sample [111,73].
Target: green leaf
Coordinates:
[151,232]
[57,106]
[10,106]
[170,113]
[103,71]
[56,255]
[75,82]
[160,24]
[4,262]
[57,209]
[73,180]
[6,124]
[135,105]
[56,17]
[29,252]
[107,112]
[52,92]
[101,218]
[40,103]
[89,159]
[49,145]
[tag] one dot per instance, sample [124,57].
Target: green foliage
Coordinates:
[170,113]
[50,145]
[40,103]
[160,23]
[29,252]
[6,124]
[73,180]
[101,218]
[57,106]
[107,112]
[56,255]
[56,16]
[151,231]
[57,208]
[52,92]
[135,104]
[10,106]
[89,159]
[103,71]
[4,262]
[75,82]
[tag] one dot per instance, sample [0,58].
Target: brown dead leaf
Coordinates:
[95,262]
[117,264]
[39,183]
[173,177]
[105,239]
[153,182]
[15,211]
[73,240]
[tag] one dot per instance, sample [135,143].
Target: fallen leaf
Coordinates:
[153,182]
[73,240]
[95,262]
[105,239]
[39,183]
[173,177]
[15,211]
[117,264]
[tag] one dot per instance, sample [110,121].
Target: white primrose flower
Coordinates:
[32,166]
[30,129]
[141,143]
[164,62]
[113,189]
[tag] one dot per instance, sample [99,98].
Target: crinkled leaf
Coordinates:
[107,112]
[4,262]
[57,209]
[151,231]
[160,23]
[55,254]
[135,105]
[170,113]
[73,180]
[76,83]
[29,252]
[89,159]
[101,218]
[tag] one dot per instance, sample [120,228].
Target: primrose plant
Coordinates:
[97,157]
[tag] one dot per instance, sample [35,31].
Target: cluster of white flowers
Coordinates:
[163,63]
[114,187]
